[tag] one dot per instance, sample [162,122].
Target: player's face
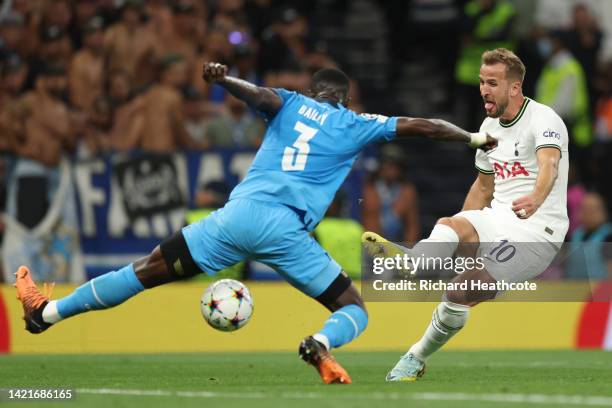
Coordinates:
[494,89]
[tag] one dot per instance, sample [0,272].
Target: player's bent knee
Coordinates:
[177,257]
[169,262]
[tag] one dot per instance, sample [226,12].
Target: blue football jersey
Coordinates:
[307,152]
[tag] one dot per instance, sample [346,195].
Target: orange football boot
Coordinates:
[32,300]
[316,354]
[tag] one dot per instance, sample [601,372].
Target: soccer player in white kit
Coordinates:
[519,196]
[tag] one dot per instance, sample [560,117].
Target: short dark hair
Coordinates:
[331,79]
[514,66]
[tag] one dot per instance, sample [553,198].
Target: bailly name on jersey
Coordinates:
[313,114]
[440,285]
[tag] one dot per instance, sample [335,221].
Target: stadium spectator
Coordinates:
[13,73]
[239,127]
[163,130]
[244,66]
[12,77]
[130,45]
[229,13]
[96,132]
[84,12]
[589,256]
[216,48]
[158,14]
[58,13]
[563,87]
[486,24]
[86,75]
[259,16]
[127,112]
[390,201]
[183,32]
[196,116]
[14,36]
[603,134]
[575,195]
[47,133]
[54,48]
[603,111]
[584,41]
[283,43]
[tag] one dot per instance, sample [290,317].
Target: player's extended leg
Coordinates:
[167,263]
[448,318]
[442,242]
[451,314]
[348,320]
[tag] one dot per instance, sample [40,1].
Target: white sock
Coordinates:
[321,338]
[50,313]
[441,243]
[448,318]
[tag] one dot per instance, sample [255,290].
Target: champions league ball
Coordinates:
[227,305]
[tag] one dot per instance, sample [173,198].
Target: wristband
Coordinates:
[477,139]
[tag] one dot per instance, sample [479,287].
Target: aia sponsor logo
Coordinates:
[507,170]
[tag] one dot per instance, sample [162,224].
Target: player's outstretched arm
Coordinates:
[442,130]
[260,98]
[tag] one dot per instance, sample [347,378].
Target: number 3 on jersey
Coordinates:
[294,158]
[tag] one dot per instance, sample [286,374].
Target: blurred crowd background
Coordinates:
[84,79]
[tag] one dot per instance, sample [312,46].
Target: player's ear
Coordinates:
[515,88]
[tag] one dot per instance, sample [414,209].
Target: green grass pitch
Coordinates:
[457,379]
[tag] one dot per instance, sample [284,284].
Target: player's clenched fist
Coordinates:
[214,72]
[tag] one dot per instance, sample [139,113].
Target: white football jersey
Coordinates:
[515,167]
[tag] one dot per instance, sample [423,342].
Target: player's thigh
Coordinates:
[211,243]
[302,262]
[482,224]
[513,261]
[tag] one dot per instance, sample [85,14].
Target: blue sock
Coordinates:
[344,325]
[105,291]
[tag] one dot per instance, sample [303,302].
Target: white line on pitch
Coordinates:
[581,400]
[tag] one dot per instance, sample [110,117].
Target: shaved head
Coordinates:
[331,83]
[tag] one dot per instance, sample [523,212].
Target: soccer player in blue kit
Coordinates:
[308,150]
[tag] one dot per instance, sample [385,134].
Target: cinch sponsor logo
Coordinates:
[506,170]
[552,133]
